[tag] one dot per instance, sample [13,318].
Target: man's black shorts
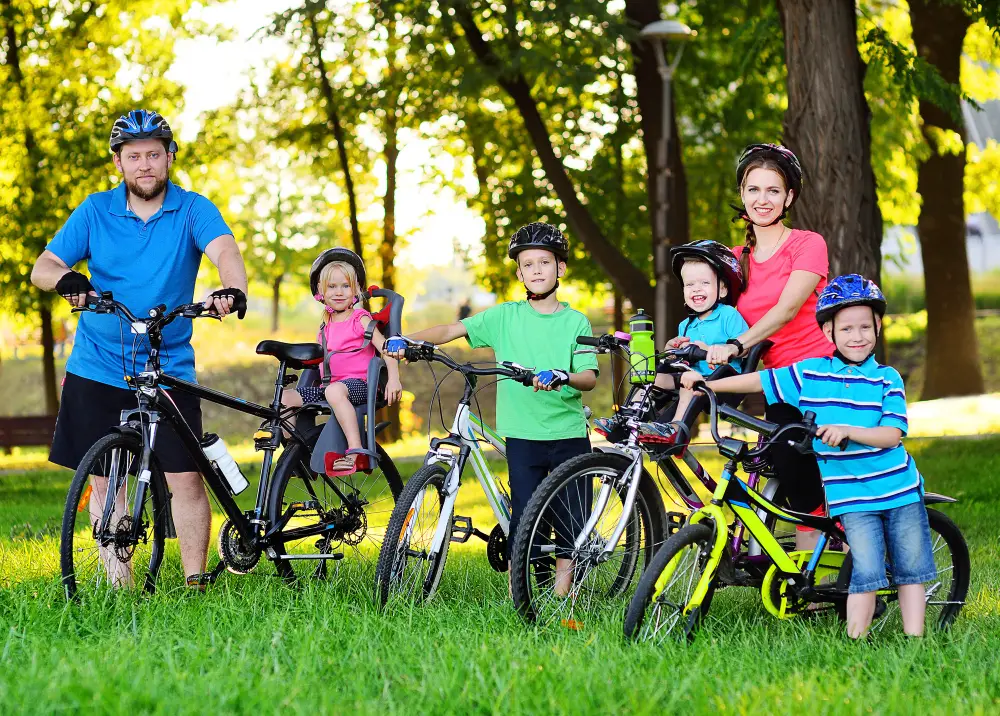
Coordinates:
[90,409]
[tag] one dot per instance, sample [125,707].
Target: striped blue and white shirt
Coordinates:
[862,478]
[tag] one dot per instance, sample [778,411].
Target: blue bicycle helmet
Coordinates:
[139,124]
[849,290]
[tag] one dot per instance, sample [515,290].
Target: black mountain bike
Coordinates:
[117,513]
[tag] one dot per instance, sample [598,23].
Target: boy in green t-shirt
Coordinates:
[546,427]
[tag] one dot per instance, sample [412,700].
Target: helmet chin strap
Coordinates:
[540,296]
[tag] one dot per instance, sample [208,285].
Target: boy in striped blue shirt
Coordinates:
[873,486]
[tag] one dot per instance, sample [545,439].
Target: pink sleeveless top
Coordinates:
[344,339]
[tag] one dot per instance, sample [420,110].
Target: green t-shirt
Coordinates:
[517,332]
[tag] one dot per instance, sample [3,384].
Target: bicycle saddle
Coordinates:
[295,355]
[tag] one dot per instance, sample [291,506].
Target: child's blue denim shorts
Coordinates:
[910,558]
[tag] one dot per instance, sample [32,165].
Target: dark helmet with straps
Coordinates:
[337,254]
[720,257]
[849,290]
[139,124]
[539,235]
[783,157]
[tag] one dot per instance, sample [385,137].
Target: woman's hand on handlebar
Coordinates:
[834,435]
[721,354]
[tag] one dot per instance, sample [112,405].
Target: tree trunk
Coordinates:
[649,94]
[387,251]
[827,125]
[275,303]
[952,366]
[49,361]
[333,119]
[628,278]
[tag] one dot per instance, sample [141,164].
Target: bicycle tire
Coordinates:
[944,534]
[294,481]
[86,566]
[637,615]
[528,561]
[391,578]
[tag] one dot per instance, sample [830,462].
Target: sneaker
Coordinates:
[604,426]
[658,433]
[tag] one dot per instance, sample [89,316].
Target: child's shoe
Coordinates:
[604,426]
[674,433]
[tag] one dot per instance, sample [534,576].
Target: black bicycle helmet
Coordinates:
[720,257]
[338,254]
[139,124]
[539,235]
[783,157]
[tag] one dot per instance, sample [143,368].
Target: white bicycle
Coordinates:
[423,523]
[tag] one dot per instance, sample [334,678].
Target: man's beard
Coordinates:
[146,194]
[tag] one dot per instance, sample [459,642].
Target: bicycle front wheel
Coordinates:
[552,574]
[408,567]
[661,605]
[111,541]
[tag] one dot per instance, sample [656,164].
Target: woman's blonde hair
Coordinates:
[326,278]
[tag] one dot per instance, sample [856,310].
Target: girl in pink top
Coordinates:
[785,271]
[347,353]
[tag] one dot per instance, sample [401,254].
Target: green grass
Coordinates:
[253,644]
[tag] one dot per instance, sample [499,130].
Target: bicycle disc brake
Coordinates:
[496,549]
[237,558]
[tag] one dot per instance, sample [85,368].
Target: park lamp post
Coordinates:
[660,34]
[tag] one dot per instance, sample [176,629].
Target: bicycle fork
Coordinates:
[634,475]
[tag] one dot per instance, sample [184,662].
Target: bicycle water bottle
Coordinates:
[643,366]
[216,451]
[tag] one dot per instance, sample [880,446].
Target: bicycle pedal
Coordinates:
[461,529]
[307,505]
[675,520]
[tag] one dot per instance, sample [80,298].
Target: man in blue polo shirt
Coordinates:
[873,486]
[143,241]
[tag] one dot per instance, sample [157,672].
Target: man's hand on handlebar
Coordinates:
[834,435]
[227,300]
[75,288]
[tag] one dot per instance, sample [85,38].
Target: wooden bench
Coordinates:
[25,430]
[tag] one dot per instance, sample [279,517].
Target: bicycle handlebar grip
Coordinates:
[588,341]
[843,444]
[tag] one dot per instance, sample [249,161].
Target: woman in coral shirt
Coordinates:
[785,272]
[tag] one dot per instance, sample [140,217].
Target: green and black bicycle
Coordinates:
[676,590]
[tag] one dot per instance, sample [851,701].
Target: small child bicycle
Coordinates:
[676,591]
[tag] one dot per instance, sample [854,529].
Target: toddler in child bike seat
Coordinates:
[873,486]
[712,281]
[337,281]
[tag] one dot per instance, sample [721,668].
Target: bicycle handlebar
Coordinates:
[158,316]
[807,426]
[422,350]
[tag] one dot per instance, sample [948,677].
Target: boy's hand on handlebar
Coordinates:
[393,391]
[550,380]
[678,342]
[833,435]
[395,347]
[721,354]
[691,378]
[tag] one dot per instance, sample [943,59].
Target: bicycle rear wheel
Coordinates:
[658,612]
[407,568]
[945,595]
[99,549]
[552,578]
[328,516]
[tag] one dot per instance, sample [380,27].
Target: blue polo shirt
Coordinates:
[862,478]
[143,264]
[723,323]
